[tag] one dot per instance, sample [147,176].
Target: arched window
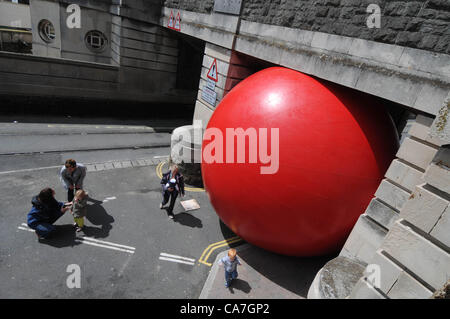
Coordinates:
[46,31]
[96,41]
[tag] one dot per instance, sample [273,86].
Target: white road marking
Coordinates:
[30,169]
[107,199]
[80,240]
[163,156]
[93,242]
[176,260]
[108,243]
[175,256]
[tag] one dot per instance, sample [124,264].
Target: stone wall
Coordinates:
[204,6]
[416,24]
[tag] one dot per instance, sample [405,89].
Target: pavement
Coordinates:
[263,275]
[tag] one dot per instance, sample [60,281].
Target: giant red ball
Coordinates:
[334,146]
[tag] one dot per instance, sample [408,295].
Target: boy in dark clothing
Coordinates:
[172,183]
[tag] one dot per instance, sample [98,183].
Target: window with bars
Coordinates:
[47,31]
[96,41]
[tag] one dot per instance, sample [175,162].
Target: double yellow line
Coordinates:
[207,252]
[160,174]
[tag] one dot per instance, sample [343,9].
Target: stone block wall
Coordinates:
[413,258]
[416,24]
[204,6]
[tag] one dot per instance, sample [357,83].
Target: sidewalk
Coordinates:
[263,275]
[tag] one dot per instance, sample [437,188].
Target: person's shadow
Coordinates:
[66,236]
[241,285]
[187,219]
[98,216]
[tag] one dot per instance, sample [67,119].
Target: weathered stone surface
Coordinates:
[392,194]
[442,293]
[406,287]
[424,208]
[442,229]
[336,279]
[204,6]
[410,23]
[416,153]
[422,257]
[404,174]
[364,290]
[364,240]
[381,213]
[389,271]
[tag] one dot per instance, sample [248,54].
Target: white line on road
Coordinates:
[176,260]
[108,243]
[81,240]
[179,257]
[163,156]
[93,242]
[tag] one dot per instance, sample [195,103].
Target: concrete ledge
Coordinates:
[381,213]
[406,287]
[415,252]
[364,240]
[424,208]
[404,174]
[391,194]
[364,290]
[416,153]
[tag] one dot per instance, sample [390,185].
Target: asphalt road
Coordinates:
[130,248]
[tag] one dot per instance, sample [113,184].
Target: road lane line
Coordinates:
[107,243]
[103,246]
[179,257]
[176,260]
[93,242]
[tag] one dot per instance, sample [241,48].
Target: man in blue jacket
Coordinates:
[45,211]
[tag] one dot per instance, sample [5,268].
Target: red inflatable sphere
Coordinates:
[334,145]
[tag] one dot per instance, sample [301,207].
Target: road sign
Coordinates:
[212,73]
[177,22]
[171,20]
[211,84]
[209,96]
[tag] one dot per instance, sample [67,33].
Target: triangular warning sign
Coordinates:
[171,23]
[177,22]
[212,73]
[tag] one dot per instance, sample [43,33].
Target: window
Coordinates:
[46,31]
[96,41]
